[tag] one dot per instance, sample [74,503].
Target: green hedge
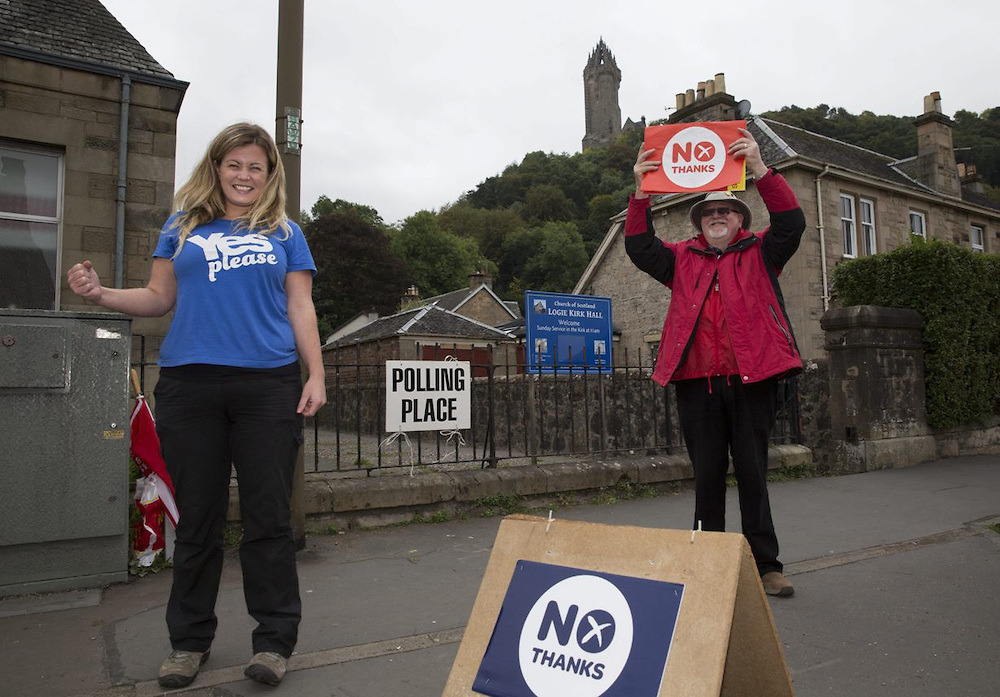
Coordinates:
[958,294]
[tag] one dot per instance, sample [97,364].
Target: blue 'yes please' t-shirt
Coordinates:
[231,304]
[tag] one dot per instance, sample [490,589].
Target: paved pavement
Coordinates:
[897,579]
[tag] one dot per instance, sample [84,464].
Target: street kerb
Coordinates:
[720,639]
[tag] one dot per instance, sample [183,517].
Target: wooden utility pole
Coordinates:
[288,135]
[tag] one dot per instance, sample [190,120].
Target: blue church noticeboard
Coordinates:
[567,332]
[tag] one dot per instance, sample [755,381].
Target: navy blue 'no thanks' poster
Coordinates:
[564,631]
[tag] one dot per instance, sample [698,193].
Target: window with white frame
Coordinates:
[848,225]
[918,224]
[868,245]
[30,211]
[978,239]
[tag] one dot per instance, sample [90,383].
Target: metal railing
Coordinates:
[517,416]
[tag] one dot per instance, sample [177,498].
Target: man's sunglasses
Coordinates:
[721,210]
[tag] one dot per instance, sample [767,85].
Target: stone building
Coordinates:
[856,202]
[424,333]
[478,302]
[88,125]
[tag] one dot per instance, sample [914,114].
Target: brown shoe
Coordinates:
[776,584]
[266,667]
[181,667]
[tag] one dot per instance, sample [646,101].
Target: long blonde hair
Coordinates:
[200,200]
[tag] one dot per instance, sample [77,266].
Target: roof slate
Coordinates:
[427,320]
[81,30]
[840,154]
[449,301]
[846,156]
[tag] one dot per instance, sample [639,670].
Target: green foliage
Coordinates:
[440,261]
[623,490]
[160,562]
[488,227]
[358,271]
[550,258]
[584,189]
[501,504]
[977,141]
[324,206]
[786,473]
[439,517]
[232,536]
[546,202]
[958,294]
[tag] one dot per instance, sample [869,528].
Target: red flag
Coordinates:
[147,536]
[145,447]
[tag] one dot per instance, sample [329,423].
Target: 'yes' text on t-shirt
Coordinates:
[227,252]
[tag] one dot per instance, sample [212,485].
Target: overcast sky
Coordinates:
[408,104]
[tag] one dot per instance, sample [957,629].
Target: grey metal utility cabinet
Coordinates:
[64,413]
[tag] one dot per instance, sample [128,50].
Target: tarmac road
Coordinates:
[897,578]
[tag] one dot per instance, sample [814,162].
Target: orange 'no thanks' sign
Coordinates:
[693,157]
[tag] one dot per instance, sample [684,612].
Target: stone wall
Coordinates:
[77,113]
[814,411]
[877,407]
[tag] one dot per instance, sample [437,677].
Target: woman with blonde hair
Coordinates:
[230,392]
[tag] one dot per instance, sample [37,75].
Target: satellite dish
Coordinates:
[743,108]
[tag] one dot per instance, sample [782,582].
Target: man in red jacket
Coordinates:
[726,340]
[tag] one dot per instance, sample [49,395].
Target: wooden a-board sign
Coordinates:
[571,609]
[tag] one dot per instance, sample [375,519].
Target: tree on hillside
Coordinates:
[357,270]
[980,133]
[324,205]
[488,227]
[551,258]
[620,155]
[546,202]
[441,261]
[600,211]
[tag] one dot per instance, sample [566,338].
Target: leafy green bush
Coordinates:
[958,294]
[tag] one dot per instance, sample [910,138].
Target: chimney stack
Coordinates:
[936,166]
[480,278]
[720,82]
[709,102]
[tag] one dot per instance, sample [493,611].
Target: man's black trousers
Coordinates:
[209,420]
[719,416]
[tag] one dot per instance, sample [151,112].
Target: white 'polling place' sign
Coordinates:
[428,395]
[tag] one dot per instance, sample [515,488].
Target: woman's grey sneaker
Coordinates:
[266,667]
[181,667]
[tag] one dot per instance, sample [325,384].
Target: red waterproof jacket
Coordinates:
[747,307]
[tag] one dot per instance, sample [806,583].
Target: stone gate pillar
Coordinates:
[877,410]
